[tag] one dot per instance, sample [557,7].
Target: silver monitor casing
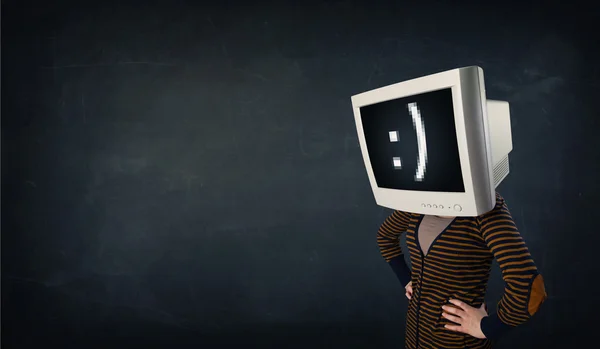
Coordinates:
[483,138]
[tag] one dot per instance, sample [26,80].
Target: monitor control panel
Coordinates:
[455,207]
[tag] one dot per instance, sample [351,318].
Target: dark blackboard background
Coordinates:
[179,175]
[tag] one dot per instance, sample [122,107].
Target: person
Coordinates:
[451,260]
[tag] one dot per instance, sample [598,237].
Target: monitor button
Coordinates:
[457,207]
[441,206]
[429,205]
[435,206]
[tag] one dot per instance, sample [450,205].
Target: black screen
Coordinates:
[401,162]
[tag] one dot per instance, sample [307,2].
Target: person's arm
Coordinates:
[524,290]
[389,244]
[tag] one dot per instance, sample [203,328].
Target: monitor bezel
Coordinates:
[473,149]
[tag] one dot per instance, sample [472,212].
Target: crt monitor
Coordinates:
[434,144]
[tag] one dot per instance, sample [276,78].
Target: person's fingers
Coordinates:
[459,303]
[455,328]
[409,290]
[453,310]
[455,319]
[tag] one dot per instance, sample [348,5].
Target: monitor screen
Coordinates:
[412,143]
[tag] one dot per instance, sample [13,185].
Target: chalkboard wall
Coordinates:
[188,175]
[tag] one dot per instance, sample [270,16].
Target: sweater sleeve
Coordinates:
[524,290]
[388,240]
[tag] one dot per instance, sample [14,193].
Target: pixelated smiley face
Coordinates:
[412,143]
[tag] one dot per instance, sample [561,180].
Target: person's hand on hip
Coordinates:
[409,290]
[466,318]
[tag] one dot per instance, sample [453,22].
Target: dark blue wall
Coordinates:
[185,175]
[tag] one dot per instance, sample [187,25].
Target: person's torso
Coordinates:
[450,260]
[429,229]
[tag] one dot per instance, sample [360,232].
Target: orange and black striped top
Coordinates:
[457,266]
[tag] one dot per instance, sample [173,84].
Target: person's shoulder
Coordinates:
[500,202]
[498,207]
[404,214]
[400,212]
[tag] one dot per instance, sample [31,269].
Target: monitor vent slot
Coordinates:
[501,171]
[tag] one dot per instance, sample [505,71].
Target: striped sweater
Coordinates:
[457,265]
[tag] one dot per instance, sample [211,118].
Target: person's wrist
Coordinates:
[492,327]
[401,270]
[480,328]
